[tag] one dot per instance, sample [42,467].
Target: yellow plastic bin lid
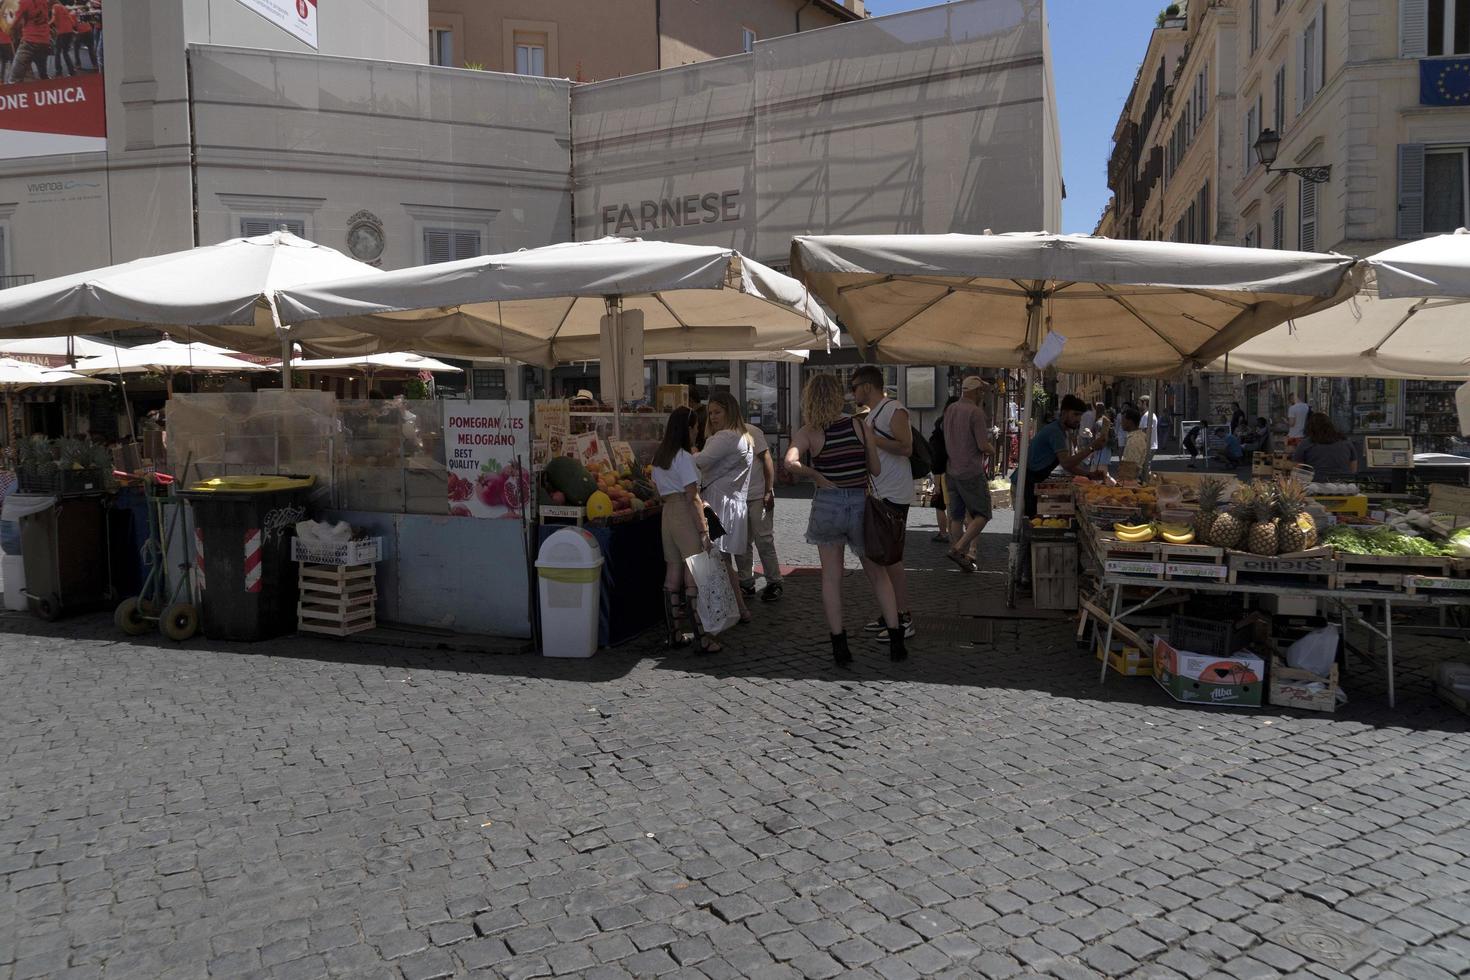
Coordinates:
[253,484]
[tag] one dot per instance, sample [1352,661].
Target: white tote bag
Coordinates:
[716,604]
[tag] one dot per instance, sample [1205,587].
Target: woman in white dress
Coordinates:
[725,466]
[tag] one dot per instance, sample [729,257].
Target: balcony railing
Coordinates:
[7,281]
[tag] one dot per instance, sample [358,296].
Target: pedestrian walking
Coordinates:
[1135,448]
[760,515]
[836,453]
[940,463]
[31,28]
[893,435]
[684,531]
[967,441]
[725,465]
[1149,423]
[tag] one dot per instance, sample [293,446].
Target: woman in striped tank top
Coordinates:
[836,453]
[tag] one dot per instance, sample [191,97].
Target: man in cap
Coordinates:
[967,443]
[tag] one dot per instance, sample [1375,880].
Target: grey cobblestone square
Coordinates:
[306,808]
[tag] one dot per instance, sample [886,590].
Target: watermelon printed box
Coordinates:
[1236,680]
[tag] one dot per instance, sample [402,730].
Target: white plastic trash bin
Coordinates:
[13,579]
[569,567]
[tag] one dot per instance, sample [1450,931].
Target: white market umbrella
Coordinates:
[168,358]
[77,347]
[223,293]
[1410,320]
[546,305]
[373,363]
[1125,307]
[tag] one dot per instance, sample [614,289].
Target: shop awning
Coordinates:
[546,305]
[223,294]
[376,363]
[1126,308]
[1410,320]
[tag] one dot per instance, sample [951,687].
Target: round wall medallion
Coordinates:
[365,238]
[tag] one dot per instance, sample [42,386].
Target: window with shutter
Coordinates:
[1410,223]
[1255,25]
[3,265]
[1413,28]
[1444,189]
[1307,226]
[1278,100]
[253,227]
[450,244]
[1444,25]
[1278,227]
[1204,214]
[1311,62]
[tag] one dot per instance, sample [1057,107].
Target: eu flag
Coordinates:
[1444,81]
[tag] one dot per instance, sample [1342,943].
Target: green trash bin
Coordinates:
[243,526]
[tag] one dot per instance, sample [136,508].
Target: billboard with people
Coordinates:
[51,94]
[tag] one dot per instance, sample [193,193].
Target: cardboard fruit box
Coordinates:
[1233,681]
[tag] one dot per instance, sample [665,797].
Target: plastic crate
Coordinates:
[60,482]
[1206,637]
[364,551]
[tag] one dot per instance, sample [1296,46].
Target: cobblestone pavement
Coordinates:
[307,808]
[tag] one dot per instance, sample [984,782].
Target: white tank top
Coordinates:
[895,479]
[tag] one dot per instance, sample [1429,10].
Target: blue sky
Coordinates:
[1096,46]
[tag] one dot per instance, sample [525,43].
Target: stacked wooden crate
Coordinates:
[338,586]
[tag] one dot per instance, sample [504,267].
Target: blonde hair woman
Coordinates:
[725,465]
[835,452]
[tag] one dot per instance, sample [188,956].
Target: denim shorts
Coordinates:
[837,518]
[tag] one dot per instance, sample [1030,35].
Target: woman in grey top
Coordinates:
[1327,451]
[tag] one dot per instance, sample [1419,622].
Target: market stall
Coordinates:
[1075,302]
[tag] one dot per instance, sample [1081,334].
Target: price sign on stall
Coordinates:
[487,450]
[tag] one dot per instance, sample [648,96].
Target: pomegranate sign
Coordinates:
[487,450]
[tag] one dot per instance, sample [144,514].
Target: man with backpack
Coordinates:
[967,444]
[893,435]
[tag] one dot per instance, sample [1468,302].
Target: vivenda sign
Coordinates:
[671,212]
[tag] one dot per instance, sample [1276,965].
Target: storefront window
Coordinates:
[844,374]
[765,394]
[706,376]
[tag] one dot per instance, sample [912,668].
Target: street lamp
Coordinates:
[1269,143]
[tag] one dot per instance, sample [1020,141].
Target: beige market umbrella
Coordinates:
[168,358]
[224,294]
[1410,320]
[17,376]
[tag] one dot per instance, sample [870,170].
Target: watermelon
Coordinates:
[571,478]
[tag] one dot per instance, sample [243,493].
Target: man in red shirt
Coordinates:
[32,29]
[64,23]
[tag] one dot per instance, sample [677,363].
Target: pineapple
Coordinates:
[1229,527]
[1210,492]
[1298,531]
[1261,539]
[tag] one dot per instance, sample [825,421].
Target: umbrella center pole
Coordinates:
[1023,451]
[615,319]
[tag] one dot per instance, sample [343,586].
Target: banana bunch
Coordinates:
[1134,533]
[1139,533]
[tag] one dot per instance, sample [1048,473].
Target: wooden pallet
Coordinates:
[1436,584]
[1392,573]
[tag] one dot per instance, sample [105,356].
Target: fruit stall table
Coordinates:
[1347,603]
[632,575]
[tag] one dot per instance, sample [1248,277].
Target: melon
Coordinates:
[599,505]
[572,479]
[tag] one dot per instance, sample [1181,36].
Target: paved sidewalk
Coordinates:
[307,808]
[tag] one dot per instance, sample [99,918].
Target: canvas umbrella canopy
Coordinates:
[1125,307]
[223,293]
[168,358]
[548,305]
[373,363]
[1410,320]
[76,347]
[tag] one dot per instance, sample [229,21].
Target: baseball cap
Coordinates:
[972,382]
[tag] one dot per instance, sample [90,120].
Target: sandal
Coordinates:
[708,644]
[966,565]
[940,538]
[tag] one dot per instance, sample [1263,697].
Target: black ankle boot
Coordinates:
[840,653]
[896,648]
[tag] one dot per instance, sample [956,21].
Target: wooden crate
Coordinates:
[1315,567]
[1054,574]
[336,600]
[1262,466]
[1391,573]
[1289,688]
